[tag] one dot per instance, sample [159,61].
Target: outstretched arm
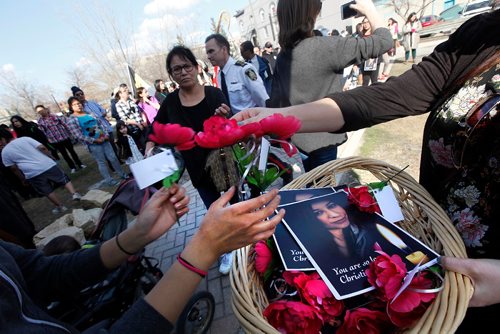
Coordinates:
[155,218]
[319,116]
[224,229]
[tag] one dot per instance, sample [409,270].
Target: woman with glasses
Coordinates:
[310,67]
[190,106]
[459,83]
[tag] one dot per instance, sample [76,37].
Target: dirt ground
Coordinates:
[40,209]
[398,143]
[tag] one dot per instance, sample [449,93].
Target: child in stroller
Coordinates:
[100,305]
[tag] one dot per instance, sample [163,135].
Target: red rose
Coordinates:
[361,197]
[219,132]
[174,135]
[410,305]
[293,317]
[263,257]
[314,290]
[289,277]
[365,321]
[280,126]
[253,129]
[386,273]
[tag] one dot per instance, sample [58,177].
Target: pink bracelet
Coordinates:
[192,268]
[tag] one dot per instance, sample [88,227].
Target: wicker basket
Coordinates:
[424,219]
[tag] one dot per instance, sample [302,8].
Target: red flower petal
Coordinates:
[280,126]
[263,257]
[171,134]
[219,132]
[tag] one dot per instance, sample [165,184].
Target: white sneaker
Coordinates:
[59,209]
[83,166]
[73,171]
[77,197]
[226,262]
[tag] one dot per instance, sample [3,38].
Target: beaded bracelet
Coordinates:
[192,268]
[121,248]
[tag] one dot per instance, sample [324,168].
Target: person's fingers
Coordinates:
[158,198]
[224,198]
[182,212]
[455,264]
[243,115]
[177,193]
[254,203]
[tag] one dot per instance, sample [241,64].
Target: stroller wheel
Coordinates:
[198,314]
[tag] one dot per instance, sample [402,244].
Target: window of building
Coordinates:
[262,15]
[272,9]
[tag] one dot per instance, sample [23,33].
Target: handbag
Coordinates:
[222,168]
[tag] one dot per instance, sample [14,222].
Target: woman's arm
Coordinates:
[368,9]
[224,228]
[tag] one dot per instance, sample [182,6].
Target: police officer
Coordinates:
[238,80]
[260,64]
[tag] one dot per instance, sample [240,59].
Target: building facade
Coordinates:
[258,22]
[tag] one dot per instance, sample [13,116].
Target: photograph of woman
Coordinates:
[338,239]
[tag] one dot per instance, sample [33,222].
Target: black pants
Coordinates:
[370,76]
[64,147]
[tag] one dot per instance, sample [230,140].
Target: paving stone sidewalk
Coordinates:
[172,243]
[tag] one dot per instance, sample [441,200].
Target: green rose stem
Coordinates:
[170,180]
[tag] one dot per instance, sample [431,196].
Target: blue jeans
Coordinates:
[320,156]
[104,151]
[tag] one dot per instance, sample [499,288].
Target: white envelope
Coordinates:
[153,169]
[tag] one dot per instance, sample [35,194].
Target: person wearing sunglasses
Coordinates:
[458,84]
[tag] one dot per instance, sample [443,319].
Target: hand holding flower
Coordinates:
[228,227]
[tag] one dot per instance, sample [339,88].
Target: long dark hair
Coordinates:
[321,235]
[296,19]
[411,15]
[70,101]
[24,130]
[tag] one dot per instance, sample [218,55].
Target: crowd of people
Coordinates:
[458,83]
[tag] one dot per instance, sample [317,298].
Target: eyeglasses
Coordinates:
[176,70]
[482,112]
[79,94]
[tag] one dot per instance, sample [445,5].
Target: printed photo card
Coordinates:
[291,254]
[338,240]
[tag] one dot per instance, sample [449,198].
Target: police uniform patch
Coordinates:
[250,73]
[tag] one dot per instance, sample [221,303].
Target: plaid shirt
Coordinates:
[55,128]
[129,111]
[76,131]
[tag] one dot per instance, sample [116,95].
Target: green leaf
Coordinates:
[377,185]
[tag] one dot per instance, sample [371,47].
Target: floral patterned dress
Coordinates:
[462,150]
